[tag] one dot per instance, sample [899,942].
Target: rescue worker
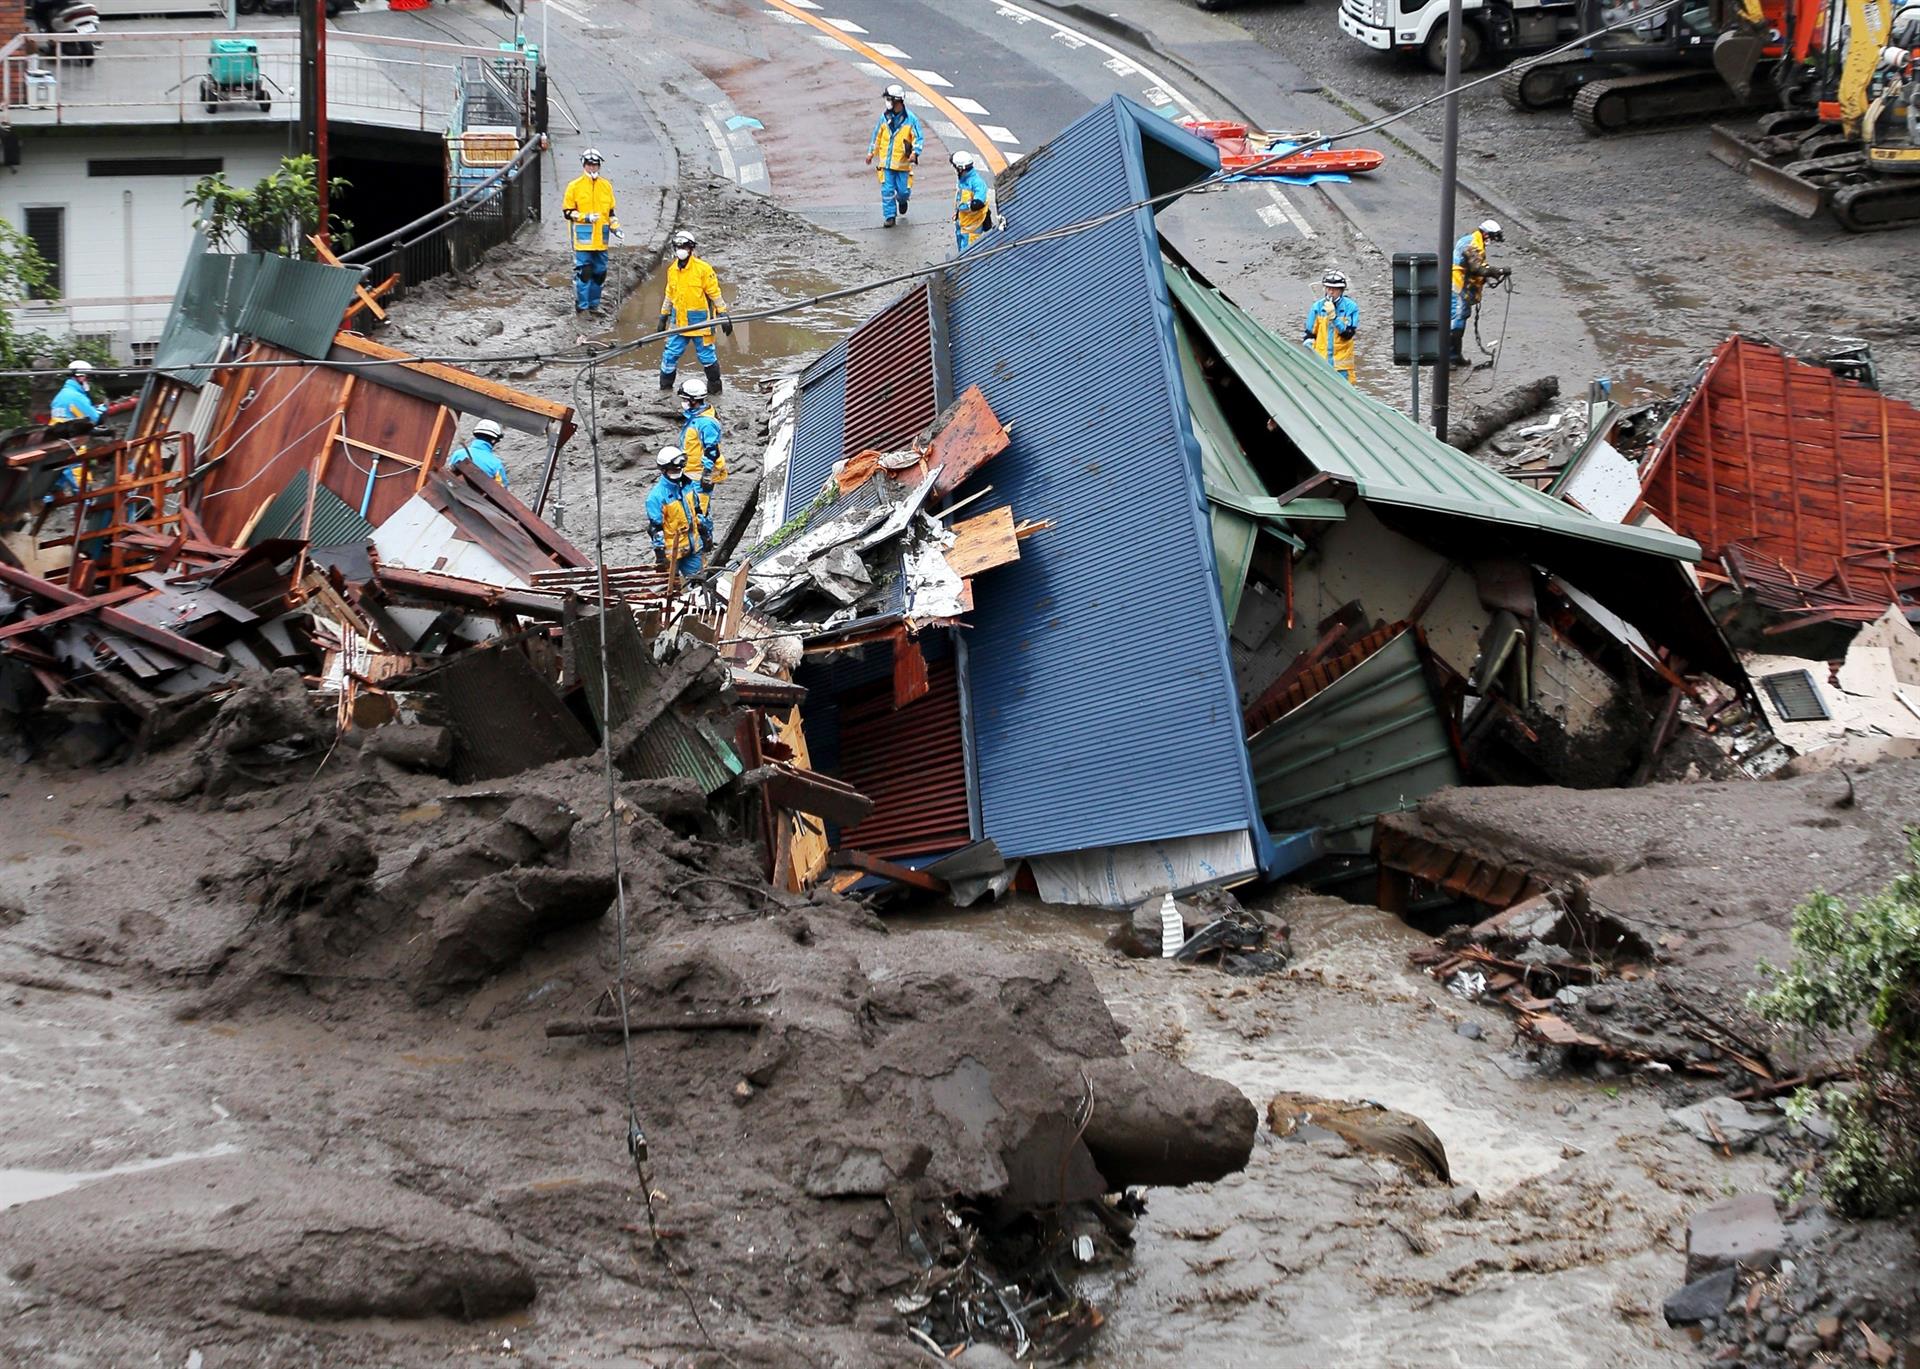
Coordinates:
[700,439]
[673,514]
[1331,324]
[589,206]
[693,297]
[73,401]
[479,449]
[896,142]
[973,211]
[1470,276]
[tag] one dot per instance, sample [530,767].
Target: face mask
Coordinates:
[593,173]
[683,252]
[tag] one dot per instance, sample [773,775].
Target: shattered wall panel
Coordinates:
[890,379]
[820,429]
[912,763]
[505,716]
[1071,342]
[1785,457]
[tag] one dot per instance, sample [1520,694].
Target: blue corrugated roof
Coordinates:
[819,428]
[1104,700]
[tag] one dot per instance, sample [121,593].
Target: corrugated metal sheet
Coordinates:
[505,716]
[1341,432]
[336,523]
[890,385]
[673,745]
[1117,608]
[820,428]
[1372,742]
[297,304]
[1773,454]
[912,763]
[212,288]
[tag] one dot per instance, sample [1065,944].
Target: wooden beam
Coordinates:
[981,543]
[452,375]
[79,610]
[112,618]
[886,869]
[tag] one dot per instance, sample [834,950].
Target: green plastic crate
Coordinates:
[235,62]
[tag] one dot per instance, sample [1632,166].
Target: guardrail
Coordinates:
[453,236]
[164,76]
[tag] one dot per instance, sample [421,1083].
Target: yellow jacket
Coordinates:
[586,196]
[896,145]
[693,296]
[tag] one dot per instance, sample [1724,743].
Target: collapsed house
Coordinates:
[1267,608]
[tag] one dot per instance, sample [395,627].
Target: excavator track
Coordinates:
[1549,83]
[1658,99]
[1878,204]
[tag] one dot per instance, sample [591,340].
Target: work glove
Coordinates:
[706,540]
[593,218]
[706,483]
[663,322]
[616,235]
[869,159]
[726,325]
[999,221]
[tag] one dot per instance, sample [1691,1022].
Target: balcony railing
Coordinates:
[164,76]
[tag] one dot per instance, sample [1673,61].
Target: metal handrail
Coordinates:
[454,208]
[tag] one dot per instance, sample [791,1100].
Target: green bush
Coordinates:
[276,215]
[1858,969]
[23,276]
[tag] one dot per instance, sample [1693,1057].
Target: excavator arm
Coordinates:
[1743,39]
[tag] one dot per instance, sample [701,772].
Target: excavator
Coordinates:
[1692,58]
[1850,145]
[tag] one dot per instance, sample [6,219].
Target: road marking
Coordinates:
[805,5]
[781,15]
[728,167]
[871,68]
[1021,15]
[995,159]
[1285,206]
[752,172]
[846,26]
[1000,135]
[961,102]
[1068,38]
[888,50]
[931,78]
[950,132]
[1120,66]
[569,11]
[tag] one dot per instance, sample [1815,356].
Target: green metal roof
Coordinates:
[1388,459]
[290,303]
[1235,494]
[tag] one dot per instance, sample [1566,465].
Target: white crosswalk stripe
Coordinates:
[966,106]
[846,26]
[1000,135]
[932,78]
[888,50]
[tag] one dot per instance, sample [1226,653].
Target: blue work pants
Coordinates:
[677,344]
[896,187]
[589,276]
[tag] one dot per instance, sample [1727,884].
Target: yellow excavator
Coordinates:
[1860,161]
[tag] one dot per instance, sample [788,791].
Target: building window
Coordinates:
[47,227]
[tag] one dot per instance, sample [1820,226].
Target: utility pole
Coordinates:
[313,104]
[1449,181]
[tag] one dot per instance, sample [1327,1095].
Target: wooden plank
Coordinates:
[170,642]
[981,543]
[76,610]
[433,449]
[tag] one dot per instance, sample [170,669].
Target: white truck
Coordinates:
[1507,27]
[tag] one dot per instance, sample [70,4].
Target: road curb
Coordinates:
[1415,143]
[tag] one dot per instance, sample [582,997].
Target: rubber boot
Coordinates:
[903,206]
[713,379]
[666,381]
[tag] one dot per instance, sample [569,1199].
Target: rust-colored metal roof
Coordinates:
[890,375]
[912,763]
[1784,460]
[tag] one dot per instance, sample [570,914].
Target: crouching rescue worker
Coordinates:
[673,514]
[896,142]
[588,206]
[1331,324]
[1470,276]
[973,211]
[479,449]
[73,401]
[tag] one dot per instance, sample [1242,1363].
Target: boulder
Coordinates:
[263,1236]
[1743,1231]
[1726,1121]
[1701,1300]
[1157,1122]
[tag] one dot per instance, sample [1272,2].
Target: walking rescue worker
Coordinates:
[73,401]
[896,142]
[479,449]
[588,206]
[693,297]
[1470,276]
[673,514]
[973,210]
[700,433]
[1331,324]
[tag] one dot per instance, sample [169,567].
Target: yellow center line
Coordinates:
[995,160]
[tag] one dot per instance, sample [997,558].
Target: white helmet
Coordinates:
[693,390]
[683,239]
[895,92]
[591,157]
[1334,280]
[962,160]
[80,368]
[1492,229]
[671,459]
[488,431]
